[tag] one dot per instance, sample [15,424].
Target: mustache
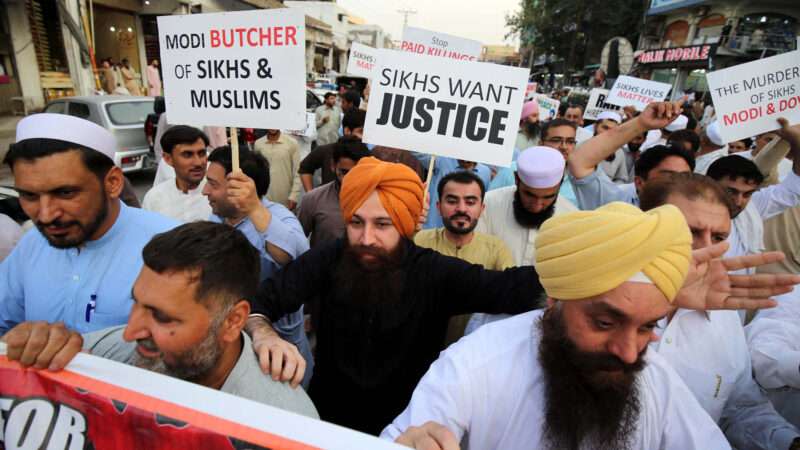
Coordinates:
[148,344]
[607,362]
[460,215]
[57,223]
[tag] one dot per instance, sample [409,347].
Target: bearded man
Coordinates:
[79,264]
[384,303]
[515,213]
[578,375]
[187,320]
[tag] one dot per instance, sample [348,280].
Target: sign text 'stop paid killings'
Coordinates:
[459,109]
[242,69]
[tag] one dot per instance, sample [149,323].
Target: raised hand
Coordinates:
[710,286]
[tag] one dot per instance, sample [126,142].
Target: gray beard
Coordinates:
[193,364]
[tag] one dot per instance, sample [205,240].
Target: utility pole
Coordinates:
[406,13]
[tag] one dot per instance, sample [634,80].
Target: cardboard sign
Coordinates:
[238,69]
[101,404]
[362,60]
[749,98]
[431,43]
[597,104]
[458,109]
[636,92]
[548,107]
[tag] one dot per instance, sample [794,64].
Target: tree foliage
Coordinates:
[575,30]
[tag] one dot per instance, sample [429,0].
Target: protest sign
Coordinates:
[597,104]
[548,107]
[237,69]
[636,92]
[748,98]
[103,405]
[530,91]
[459,109]
[362,60]
[310,130]
[431,43]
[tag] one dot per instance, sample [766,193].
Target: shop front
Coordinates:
[682,67]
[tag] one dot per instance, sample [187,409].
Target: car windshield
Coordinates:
[128,113]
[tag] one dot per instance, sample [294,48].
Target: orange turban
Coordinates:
[399,189]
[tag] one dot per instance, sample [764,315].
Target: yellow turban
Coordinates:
[399,189]
[587,253]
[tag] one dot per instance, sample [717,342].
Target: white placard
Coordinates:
[310,131]
[432,43]
[236,69]
[548,107]
[460,109]
[362,60]
[636,92]
[748,98]
[597,104]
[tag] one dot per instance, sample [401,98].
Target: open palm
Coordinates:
[709,285]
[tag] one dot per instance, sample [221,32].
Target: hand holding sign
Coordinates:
[42,345]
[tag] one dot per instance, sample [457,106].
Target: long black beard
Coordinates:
[528,219]
[532,129]
[584,408]
[379,284]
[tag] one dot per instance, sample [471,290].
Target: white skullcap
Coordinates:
[67,128]
[679,123]
[609,115]
[652,139]
[541,167]
[712,131]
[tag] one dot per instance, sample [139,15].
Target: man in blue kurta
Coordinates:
[79,264]
[238,198]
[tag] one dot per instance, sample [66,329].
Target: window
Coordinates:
[128,113]
[56,108]
[79,110]
[312,102]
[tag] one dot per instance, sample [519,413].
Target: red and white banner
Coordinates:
[104,405]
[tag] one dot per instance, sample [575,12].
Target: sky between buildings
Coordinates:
[482,20]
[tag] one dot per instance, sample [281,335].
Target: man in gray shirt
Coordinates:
[190,307]
[319,212]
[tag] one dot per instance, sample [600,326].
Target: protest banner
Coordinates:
[362,60]
[431,43]
[548,107]
[237,69]
[597,104]
[748,98]
[465,109]
[636,92]
[104,405]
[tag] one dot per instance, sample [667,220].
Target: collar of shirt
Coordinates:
[112,232]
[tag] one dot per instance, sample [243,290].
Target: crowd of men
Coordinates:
[624,284]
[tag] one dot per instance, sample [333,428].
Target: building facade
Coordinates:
[684,39]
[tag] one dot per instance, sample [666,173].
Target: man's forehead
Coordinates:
[178,289]
[50,172]
[461,189]
[561,131]
[702,212]
[631,301]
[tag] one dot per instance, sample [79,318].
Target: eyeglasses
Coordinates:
[560,141]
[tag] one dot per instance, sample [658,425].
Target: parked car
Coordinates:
[9,204]
[124,116]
